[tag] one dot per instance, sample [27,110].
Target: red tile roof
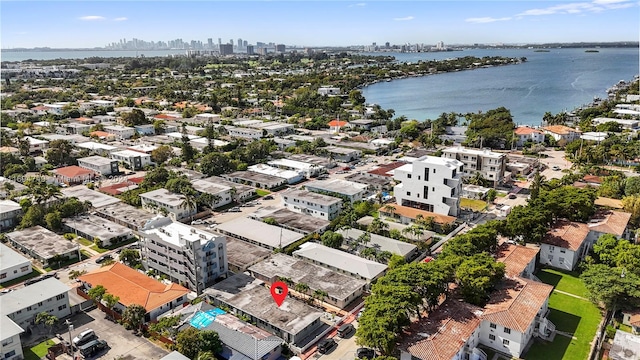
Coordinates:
[443,332]
[516,304]
[560,129]
[515,258]
[525,130]
[592,179]
[134,287]
[73,172]
[338,123]
[634,319]
[382,170]
[610,222]
[165,117]
[567,234]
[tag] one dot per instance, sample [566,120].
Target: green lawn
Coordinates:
[262,192]
[569,314]
[626,328]
[113,246]
[475,205]
[37,352]
[564,281]
[83,241]
[33,274]
[98,249]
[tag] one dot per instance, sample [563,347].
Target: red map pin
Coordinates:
[279,292]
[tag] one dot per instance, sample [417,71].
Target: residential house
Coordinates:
[220,194]
[310,170]
[167,203]
[430,183]
[134,287]
[632,318]
[293,177]
[380,243]
[43,245]
[526,133]
[518,260]
[120,132]
[344,189]
[343,154]
[611,222]
[93,227]
[72,175]
[134,160]
[491,165]
[187,255]
[9,213]
[36,145]
[317,205]
[562,134]
[328,90]
[100,165]
[407,215]
[96,148]
[12,264]
[10,343]
[565,245]
[259,233]
[257,180]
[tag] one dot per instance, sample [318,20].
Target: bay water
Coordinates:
[554,81]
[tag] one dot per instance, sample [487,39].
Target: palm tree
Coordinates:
[302,288]
[389,208]
[46,319]
[320,295]
[96,293]
[383,256]
[189,203]
[134,316]
[110,301]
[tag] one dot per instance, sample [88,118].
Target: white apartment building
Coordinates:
[12,264]
[328,90]
[120,132]
[185,254]
[97,148]
[36,144]
[526,133]
[343,189]
[491,165]
[10,343]
[24,304]
[564,245]
[167,203]
[9,212]
[562,134]
[221,194]
[136,160]
[244,133]
[316,205]
[430,183]
[308,169]
[101,165]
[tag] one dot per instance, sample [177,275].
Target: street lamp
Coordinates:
[70,325]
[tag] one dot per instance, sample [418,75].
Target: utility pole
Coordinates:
[70,326]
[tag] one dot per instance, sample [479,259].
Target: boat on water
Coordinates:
[541,50]
[591,51]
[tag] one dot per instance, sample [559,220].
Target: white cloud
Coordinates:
[485,20]
[595,6]
[91,18]
[358,5]
[406,18]
[120,19]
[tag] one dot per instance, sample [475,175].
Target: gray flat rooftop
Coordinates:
[240,188]
[10,258]
[381,243]
[253,176]
[312,159]
[96,198]
[291,219]
[337,285]
[97,227]
[164,196]
[209,186]
[9,328]
[30,295]
[338,186]
[126,213]
[369,180]
[258,232]
[43,242]
[241,254]
[304,195]
[251,296]
[340,150]
[341,260]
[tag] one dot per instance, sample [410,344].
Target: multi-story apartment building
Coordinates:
[135,160]
[167,203]
[12,264]
[430,183]
[9,213]
[491,165]
[316,205]
[187,255]
[120,132]
[99,164]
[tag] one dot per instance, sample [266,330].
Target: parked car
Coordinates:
[365,353]
[556,168]
[345,330]
[103,258]
[268,197]
[325,345]
[84,337]
[92,347]
[512,196]
[235,209]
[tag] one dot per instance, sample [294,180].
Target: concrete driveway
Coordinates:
[556,158]
[122,343]
[346,349]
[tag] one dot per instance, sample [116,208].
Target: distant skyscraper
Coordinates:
[219,41]
[280,48]
[230,41]
[226,49]
[210,43]
[245,43]
[387,45]
[239,43]
[249,49]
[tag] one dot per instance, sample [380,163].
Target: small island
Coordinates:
[541,50]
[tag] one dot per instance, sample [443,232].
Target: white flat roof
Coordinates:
[293,164]
[381,243]
[8,206]
[164,196]
[178,135]
[273,171]
[480,152]
[10,258]
[341,260]
[30,295]
[9,328]
[95,145]
[96,160]
[130,153]
[338,186]
[83,193]
[601,120]
[118,128]
[178,234]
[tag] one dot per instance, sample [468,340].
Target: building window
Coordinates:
[492,325]
[550,257]
[408,176]
[425,192]
[505,342]
[426,174]
[408,193]
[562,251]
[60,297]
[9,354]
[561,260]
[3,275]
[492,337]
[62,307]
[24,268]
[507,330]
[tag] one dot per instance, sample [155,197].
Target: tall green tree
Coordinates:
[134,316]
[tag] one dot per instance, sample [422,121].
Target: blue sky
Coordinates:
[77,24]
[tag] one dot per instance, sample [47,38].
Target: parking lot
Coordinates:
[346,349]
[122,343]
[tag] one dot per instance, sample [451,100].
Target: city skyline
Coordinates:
[75,24]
